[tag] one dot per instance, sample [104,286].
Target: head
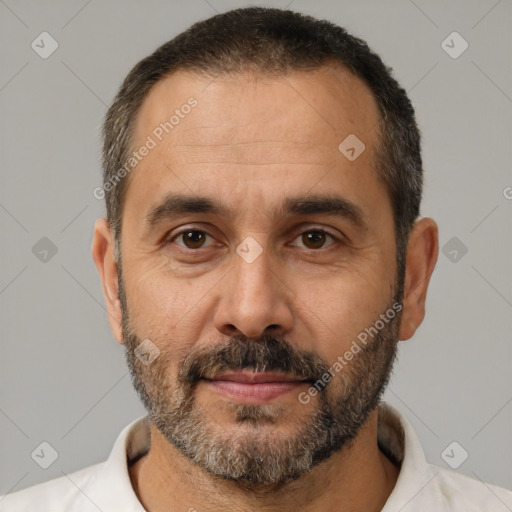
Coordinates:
[262,178]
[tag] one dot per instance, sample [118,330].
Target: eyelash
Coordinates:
[170,240]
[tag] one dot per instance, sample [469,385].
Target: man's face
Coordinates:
[263,284]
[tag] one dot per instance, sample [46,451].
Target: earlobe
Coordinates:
[103,255]
[422,252]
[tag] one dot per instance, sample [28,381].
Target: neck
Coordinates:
[357,478]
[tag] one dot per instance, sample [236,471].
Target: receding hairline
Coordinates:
[283,42]
[330,65]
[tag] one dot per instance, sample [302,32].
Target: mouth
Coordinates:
[254,387]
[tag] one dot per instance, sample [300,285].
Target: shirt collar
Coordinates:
[111,489]
[398,440]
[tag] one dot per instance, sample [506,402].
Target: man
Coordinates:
[261,258]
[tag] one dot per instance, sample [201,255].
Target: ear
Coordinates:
[422,251]
[103,255]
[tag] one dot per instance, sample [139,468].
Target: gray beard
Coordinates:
[259,458]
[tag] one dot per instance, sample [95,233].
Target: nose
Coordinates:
[254,299]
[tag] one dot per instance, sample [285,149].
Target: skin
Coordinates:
[250,143]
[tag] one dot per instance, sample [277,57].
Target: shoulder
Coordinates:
[58,495]
[105,486]
[422,486]
[459,492]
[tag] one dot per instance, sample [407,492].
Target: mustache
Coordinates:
[267,353]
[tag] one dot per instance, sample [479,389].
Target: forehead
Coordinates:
[329,100]
[252,132]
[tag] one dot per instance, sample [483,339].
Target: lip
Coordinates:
[255,377]
[254,387]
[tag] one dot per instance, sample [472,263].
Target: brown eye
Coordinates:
[192,238]
[315,239]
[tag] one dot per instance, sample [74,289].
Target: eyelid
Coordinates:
[336,239]
[339,236]
[170,239]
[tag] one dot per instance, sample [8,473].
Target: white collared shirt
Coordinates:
[421,487]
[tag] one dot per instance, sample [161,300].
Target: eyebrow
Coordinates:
[174,205]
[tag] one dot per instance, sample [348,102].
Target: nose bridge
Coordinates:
[253,270]
[253,298]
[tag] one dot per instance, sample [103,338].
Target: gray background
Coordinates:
[62,375]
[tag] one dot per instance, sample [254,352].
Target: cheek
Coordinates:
[335,309]
[168,308]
